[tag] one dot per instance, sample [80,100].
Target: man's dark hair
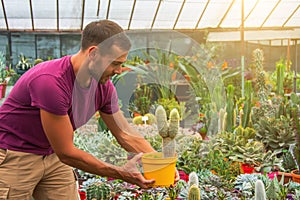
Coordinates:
[98,32]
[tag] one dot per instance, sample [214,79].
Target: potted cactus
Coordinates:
[161,165]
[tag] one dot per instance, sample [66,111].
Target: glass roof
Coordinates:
[216,15]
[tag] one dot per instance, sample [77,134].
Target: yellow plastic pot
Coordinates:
[159,168]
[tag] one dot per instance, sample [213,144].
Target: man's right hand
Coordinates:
[131,173]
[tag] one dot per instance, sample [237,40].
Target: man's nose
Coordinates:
[118,70]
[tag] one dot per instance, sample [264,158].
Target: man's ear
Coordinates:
[92,51]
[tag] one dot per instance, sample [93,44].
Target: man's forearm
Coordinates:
[135,144]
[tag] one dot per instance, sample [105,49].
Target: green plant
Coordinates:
[103,146]
[142,100]
[170,103]
[230,105]
[7,74]
[288,163]
[168,130]
[247,105]
[275,133]
[190,157]
[98,191]
[156,69]
[212,116]
[280,70]
[245,183]
[173,191]
[240,146]
[194,193]
[277,190]
[265,109]
[24,63]
[270,161]
[37,61]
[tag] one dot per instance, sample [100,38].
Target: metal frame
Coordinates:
[157,10]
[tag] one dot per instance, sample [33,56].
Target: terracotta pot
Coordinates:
[287,177]
[3,89]
[295,176]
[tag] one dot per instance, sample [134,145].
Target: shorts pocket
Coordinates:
[6,192]
[3,192]
[3,155]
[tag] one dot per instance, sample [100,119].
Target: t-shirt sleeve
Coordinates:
[47,93]
[110,104]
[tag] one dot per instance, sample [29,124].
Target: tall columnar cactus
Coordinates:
[230,108]
[194,193]
[260,191]
[280,68]
[222,120]
[258,56]
[247,104]
[167,130]
[266,109]
[212,118]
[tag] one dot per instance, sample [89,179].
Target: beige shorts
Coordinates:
[26,176]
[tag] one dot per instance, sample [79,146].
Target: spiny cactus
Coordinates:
[266,109]
[194,193]
[98,191]
[137,120]
[167,130]
[280,68]
[247,104]
[222,120]
[193,179]
[258,56]
[260,192]
[230,108]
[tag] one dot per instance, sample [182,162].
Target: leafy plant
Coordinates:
[275,133]
[142,100]
[24,63]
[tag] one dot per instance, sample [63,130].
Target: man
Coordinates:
[48,103]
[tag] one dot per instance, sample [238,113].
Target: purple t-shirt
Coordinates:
[50,86]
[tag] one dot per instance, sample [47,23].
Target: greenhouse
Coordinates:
[149,99]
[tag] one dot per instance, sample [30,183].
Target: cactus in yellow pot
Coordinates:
[167,130]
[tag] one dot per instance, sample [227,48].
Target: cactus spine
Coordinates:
[260,192]
[167,130]
[194,193]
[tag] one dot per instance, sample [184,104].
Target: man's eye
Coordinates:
[116,64]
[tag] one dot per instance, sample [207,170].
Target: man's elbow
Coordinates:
[65,158]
